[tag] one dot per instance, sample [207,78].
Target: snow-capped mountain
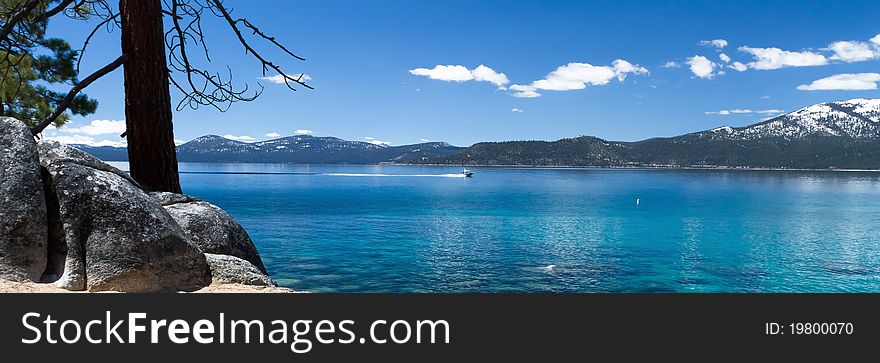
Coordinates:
[213,144]
[307,142]
[844,134]
[306,149]
[856,118]
[291,149]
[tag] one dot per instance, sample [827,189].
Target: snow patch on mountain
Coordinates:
[856,118]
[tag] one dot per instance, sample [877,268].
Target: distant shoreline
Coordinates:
[619,167]
[714,168]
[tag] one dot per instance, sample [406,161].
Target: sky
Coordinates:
[404,72]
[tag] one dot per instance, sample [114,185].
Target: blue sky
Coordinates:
[373,66]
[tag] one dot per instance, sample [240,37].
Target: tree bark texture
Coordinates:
[152,155]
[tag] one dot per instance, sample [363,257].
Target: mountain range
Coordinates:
[300,149]
[843,134]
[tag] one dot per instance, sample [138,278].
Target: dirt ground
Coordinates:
[7,286]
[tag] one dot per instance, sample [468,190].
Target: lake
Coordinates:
[383,228]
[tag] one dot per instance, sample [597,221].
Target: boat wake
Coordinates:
[399,175]
[549,268]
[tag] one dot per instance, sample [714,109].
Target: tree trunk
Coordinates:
[152,156]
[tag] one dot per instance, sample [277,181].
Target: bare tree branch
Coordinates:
[76,89]
[92,34]
[233,23]
[223,92]
[199,86]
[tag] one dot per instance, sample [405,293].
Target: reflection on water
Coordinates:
[320,228]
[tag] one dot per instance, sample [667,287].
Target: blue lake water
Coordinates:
[420,229]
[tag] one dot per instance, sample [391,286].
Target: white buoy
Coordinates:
[638,201]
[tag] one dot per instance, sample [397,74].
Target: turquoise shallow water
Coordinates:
[414,229]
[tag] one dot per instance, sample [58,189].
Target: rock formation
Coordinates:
[209,227]
[233,270]
[70,219]
[116,236]
[23,228]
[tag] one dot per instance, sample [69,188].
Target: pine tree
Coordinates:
[29,62]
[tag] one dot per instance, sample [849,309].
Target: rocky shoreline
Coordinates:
[71,222]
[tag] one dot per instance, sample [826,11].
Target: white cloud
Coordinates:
[717,43]
[765,97]
[486,74]
[243,138]
[273,134]
[426,140]
[702,67]
[456,73]
[303,132]
[98,127]
[852,51]
[740,67]
[445,73]
[516,110]
[844,82]
[728,112]
[775,58]
[373,141]
[743,111]
[84,140]
[671,64]
[524,91]
[622,68]
[279,79]
[576,76]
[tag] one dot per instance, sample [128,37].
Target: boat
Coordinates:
[467,173]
